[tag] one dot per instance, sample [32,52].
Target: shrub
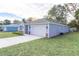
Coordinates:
[19,33]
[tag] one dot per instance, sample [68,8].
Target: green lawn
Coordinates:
[7,34]
[67,44]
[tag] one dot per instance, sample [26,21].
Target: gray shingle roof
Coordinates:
[44,21]
[40,21]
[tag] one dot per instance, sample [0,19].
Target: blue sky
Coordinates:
[30,8]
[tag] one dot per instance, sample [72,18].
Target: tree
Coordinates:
[24,20]
[1,22]
[7,22]
[59,13]
[74,23]
[77,14]
[52,12]
[17,22]
[74,11]
[30,19]
[71,7]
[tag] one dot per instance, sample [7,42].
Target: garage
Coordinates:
[39,30]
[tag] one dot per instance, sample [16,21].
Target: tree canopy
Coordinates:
[7,22]
[24,20]
[77,14]
[59,13]
[17,22]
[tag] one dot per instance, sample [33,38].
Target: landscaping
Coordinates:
[7,34]
[67,44]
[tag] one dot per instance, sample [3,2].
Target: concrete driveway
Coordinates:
[5,42]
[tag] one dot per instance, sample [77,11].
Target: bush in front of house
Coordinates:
[19,33]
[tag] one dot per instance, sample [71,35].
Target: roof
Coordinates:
[39,21]
[44,21]
[12,25]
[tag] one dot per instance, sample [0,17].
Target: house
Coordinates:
[12,27]
[73,29]
[40,27]
[45,28]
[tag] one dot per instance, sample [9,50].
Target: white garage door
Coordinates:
[39,30]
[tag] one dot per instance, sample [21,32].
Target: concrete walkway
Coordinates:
[5,42]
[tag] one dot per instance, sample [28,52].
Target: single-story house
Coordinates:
[12,27]
[40,27]
[45,28]
[73,29]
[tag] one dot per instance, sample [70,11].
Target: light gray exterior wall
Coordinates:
[64,29]
[56,29]
[53,30]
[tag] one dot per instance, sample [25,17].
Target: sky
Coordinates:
[30,8]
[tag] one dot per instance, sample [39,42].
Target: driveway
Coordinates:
[5,42]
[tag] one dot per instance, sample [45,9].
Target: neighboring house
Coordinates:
[12,27]
[73,29]
[45,28]
[1,28]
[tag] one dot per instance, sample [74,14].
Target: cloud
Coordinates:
[29,8]
[20,8]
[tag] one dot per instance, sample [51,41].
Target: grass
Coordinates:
[65,45]
[7,34]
